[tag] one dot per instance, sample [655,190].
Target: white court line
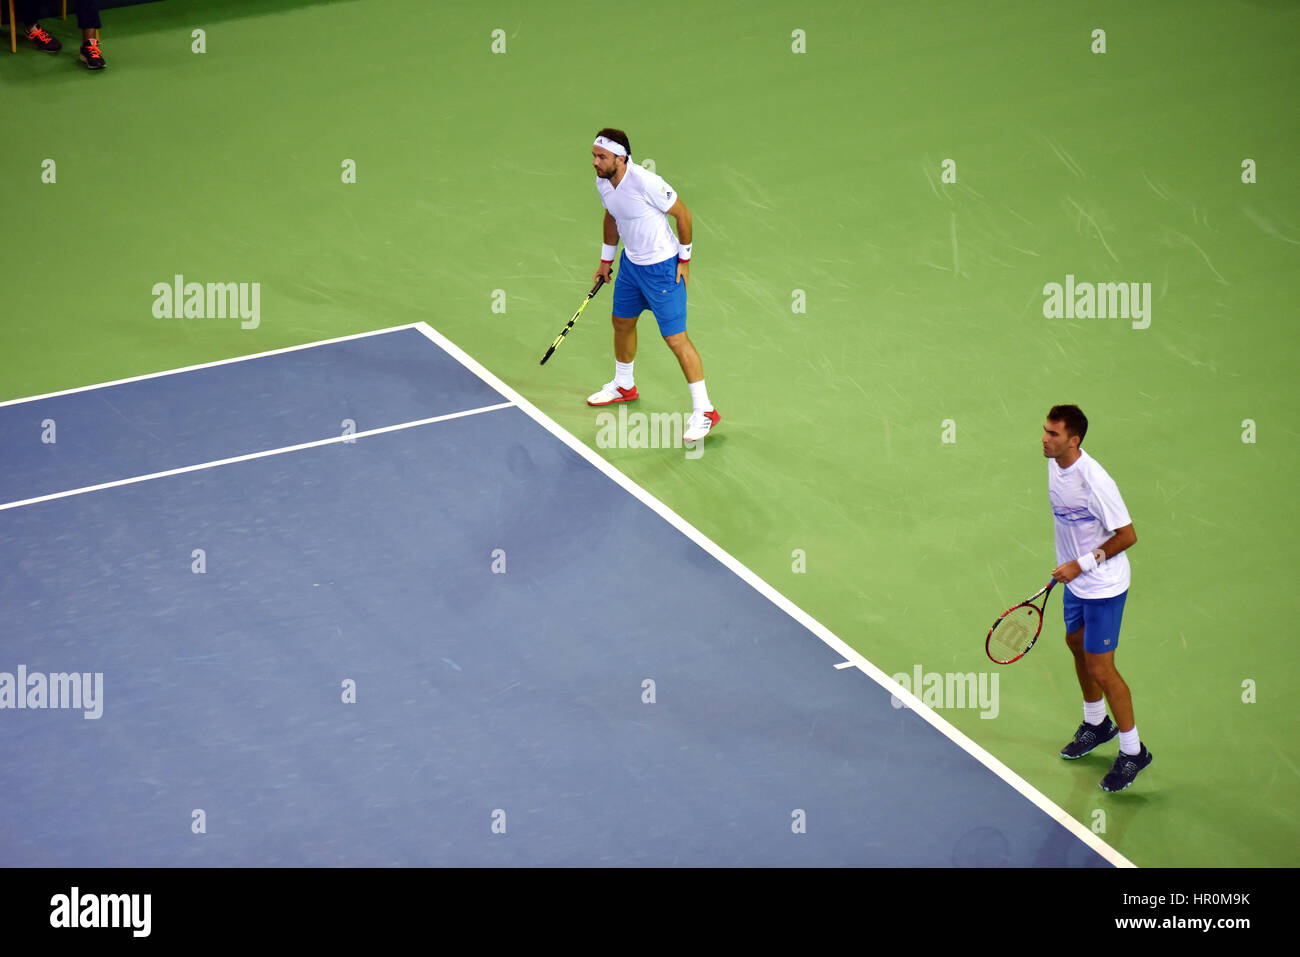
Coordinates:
[347,437]
[205,365]
[1032,794]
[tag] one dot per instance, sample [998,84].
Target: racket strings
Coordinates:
[1014,634]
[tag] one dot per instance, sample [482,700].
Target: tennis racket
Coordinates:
[1016,629]
[600,281]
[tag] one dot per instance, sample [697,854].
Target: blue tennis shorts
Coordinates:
[652,287]
[1098,617]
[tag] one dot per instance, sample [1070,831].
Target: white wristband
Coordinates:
[684,252]
[607,252]
[1087,561]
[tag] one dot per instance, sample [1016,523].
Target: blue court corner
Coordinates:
[353,605]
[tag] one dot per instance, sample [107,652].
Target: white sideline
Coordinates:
[204,365]
[332,440]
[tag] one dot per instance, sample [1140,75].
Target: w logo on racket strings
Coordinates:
[951,690]
[1098,300]
[179,299]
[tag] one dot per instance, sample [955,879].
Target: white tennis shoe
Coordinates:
[700,424]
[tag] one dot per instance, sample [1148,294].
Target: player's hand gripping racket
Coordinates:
[1016,630]
[600,281]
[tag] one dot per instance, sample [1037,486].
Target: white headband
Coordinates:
[606,144]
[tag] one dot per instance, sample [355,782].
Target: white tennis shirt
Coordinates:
[639,206]
[1088,510]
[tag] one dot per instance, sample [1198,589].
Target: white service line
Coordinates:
[206,365]
[1032,794]
[332,440]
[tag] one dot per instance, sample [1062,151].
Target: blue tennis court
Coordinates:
[359,604]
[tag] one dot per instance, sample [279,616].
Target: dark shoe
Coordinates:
[90,55]
[1088,737]
[1125,769]
[42,40]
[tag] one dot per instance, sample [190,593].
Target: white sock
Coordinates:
[1129,742]
[1094,712]
[623,374]
[700,397]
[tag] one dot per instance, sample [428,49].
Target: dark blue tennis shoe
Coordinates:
[1125,769]
[42,40]
[1088,737]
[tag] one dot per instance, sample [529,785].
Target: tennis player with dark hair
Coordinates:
[652,273]
[1093,529]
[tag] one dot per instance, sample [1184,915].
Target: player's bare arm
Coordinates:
[1123,538]
[682,216]
[610,228]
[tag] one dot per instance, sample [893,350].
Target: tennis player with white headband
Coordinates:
[652,274]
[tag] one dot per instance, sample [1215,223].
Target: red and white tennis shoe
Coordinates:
[611,393]
[700,424]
